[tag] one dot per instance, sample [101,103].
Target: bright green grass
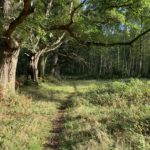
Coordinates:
[102,115]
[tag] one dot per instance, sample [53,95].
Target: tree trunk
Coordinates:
[36,71]
[8,64]
[101,65]
[42,65]
[141,52]
[118,59]
[9,47]
[33,66]
[55,71]
[141,60]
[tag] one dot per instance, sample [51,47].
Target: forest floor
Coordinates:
[77,115]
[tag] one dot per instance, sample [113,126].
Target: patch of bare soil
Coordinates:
[58,127]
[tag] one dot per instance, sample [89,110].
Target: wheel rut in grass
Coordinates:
[58,126]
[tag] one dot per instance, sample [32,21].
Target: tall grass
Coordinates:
[26,118]
[113,116]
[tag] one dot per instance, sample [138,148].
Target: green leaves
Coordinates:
[116,15]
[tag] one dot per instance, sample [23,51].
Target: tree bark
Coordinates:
[8,64]
[42,65]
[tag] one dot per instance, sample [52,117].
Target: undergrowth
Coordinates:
[114,115]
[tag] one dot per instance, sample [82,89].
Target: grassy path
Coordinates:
[58,126]
[59,131]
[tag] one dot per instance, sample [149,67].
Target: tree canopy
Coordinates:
[96,25]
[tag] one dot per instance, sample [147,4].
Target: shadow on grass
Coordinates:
[41,94]
[71,139]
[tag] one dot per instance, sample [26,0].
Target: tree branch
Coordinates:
[139,36]
[27,10]
[74,11]
[108,44]
[55,45]
[67,25]
[36,45]
[51,47]
[49,7]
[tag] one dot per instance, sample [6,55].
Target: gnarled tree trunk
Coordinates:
[8,64]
